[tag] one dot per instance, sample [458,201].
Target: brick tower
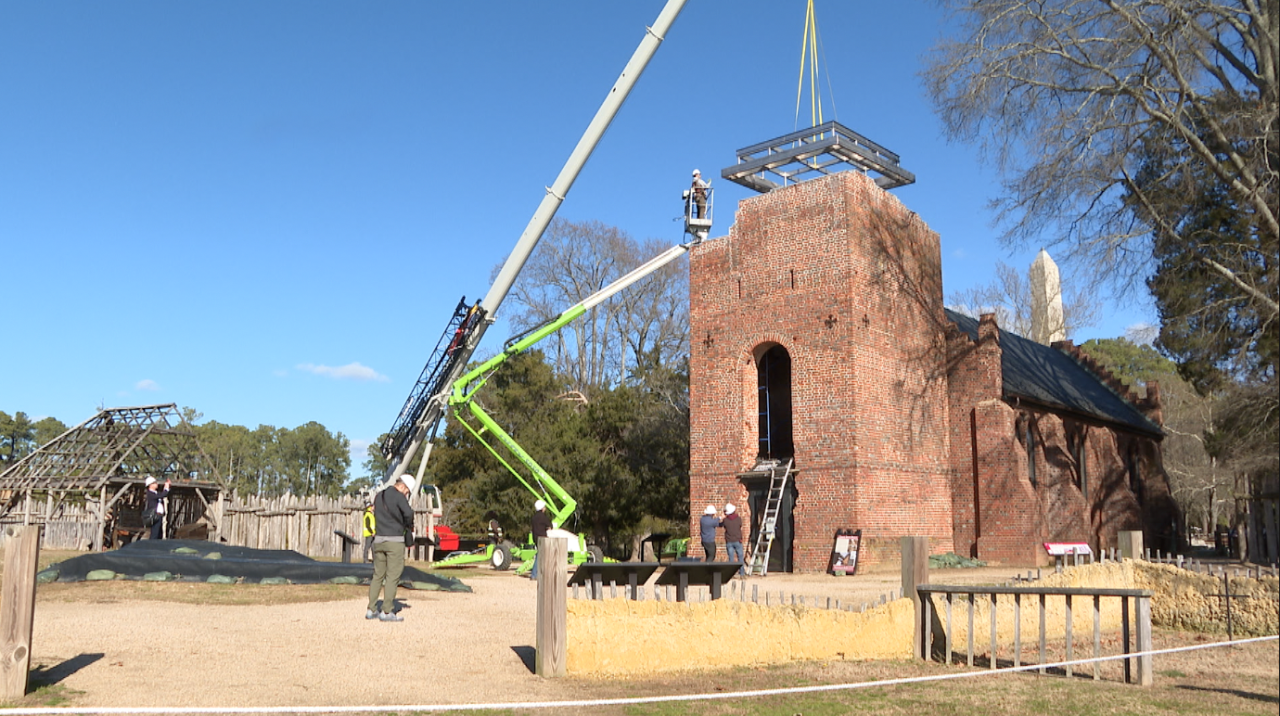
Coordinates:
[818,334]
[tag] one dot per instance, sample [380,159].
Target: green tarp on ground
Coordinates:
[197,561]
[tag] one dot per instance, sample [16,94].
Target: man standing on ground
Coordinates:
[707,527]
[732,524]
[539,525]
[393,517]
[153,515]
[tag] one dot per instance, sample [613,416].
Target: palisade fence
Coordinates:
[298,523]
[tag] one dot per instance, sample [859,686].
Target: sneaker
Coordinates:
[390,617]
[370,614]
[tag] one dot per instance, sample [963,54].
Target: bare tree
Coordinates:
[1068,97]
[647,322]
[1009,297]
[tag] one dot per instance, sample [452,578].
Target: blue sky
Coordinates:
[266,210]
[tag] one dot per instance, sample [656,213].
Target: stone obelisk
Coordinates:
[1047,324]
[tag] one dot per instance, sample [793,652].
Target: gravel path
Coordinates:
[451,648]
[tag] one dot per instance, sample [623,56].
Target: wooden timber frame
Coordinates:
[103,463]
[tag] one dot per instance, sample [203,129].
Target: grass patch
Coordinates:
[1233,681]
[44,696]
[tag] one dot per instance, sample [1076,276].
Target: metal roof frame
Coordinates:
[822,150]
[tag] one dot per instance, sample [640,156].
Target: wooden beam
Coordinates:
[17,608]
[915,571]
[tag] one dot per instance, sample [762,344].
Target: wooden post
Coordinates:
[1097,634]
[17,607]
[993,630]
[1124,638]
[1142,617]
[1017,630]
[1042,634]
[102,519]
[950,630]
[553,573]
[1070,620]
[1131,544]
[915,571]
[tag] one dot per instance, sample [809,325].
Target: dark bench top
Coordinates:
[619,572]
[698,573]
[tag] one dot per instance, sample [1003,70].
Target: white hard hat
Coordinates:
[149,481]
[729,509]
[539,505]
[409,481]
[711,510]
[696,172]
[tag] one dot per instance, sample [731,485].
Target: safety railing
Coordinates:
[1133,621]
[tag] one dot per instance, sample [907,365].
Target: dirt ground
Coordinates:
[139,645]
[105,650]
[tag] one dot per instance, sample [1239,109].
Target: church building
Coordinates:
[820,347]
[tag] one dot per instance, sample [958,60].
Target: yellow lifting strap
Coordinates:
[809,53]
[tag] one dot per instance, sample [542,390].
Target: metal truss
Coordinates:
[818,151]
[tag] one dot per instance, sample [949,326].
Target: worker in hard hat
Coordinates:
[153,514]
[707,527]
[732,524]
[699,191]
[393,530]
[539,526]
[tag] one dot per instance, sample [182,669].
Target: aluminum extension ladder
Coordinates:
[758,563]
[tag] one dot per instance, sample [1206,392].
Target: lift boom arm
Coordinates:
[423,411]
[560,504]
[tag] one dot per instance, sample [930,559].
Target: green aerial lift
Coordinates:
[442,385]
[560,504]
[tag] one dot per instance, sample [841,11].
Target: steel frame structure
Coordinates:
[822,150]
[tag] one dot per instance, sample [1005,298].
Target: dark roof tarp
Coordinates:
[137,559]
[1052,378]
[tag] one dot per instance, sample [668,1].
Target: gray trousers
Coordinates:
[388,565]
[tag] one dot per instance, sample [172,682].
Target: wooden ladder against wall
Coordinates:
[758,562]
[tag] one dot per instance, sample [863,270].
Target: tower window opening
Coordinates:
[773,372]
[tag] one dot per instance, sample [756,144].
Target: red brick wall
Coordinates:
[900,425]
[1013,516]
[848,280]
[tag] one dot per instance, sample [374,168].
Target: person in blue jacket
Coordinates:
[707,526]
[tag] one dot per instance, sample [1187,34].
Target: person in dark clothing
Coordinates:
[707,525]
[732,524]
[153,515]
[393,517]
[539,526]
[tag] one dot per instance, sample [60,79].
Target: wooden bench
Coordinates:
[348,544]
[593,575]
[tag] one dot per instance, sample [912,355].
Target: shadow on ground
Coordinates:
[528,655]
[49,675]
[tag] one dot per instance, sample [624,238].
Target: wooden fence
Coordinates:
[302,524]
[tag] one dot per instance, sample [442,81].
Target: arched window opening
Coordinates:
[773,372]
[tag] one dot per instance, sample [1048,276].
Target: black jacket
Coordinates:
[154,497]
[392,514]
[540,523]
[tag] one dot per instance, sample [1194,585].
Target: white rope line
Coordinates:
[602,702]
